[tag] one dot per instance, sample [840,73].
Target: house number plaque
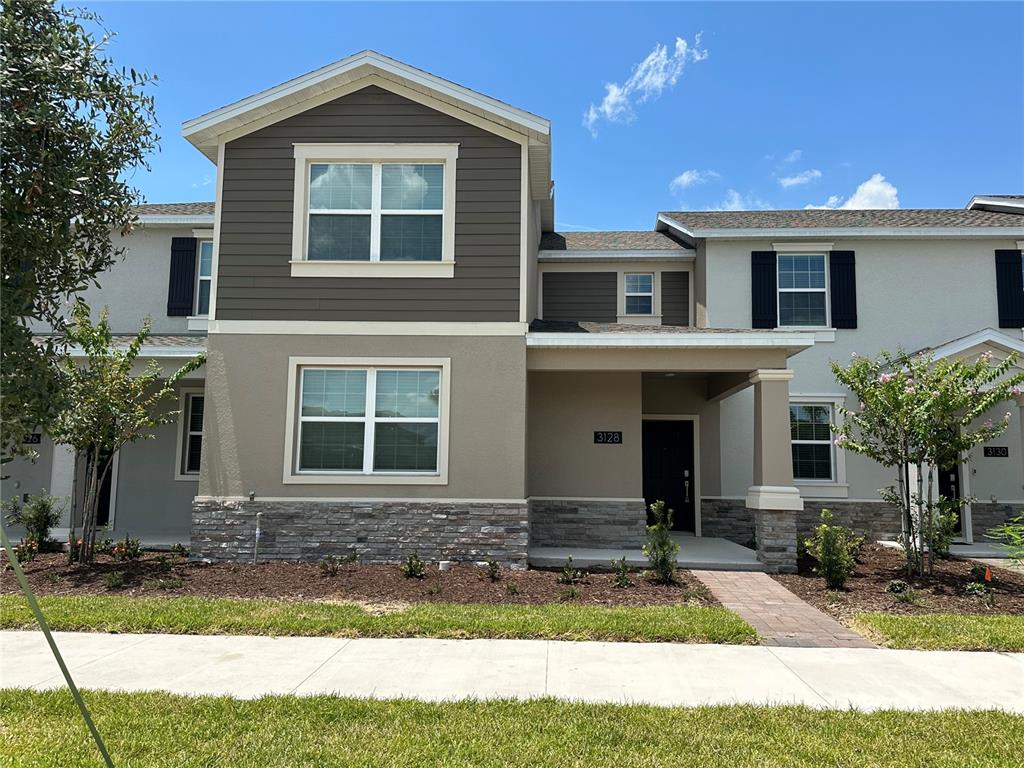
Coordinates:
[608,438]
[997,452]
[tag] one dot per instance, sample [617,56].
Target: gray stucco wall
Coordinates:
[247,396]
[254,281]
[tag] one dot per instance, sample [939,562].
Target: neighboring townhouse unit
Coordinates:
[404,356]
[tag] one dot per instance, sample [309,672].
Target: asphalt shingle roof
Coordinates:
[636,240]
[907,218]
[175,209]
[573,326]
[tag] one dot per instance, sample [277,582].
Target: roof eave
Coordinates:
[996,204]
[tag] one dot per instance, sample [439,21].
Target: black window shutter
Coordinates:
[1010,289]
[182,284]
[843,287]
[763,277]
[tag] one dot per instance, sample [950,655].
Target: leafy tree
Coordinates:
[917,412]
[108,404]
[72,125]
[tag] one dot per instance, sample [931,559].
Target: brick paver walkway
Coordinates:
[779,616]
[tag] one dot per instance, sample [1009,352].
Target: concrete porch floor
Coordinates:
[695,552]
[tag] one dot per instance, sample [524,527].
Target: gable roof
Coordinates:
[175,213]
[634,240]
[1003,203]
[202,131]
[817,222]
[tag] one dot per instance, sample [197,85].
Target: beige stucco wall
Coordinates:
[913,293]
[247,396]
[565,409]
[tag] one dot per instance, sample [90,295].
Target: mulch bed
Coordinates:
[168,575]
[878,565]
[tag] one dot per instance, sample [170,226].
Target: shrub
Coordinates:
[493,570]
[832,547]
[897,587]
[570,574]
[26,551]
[511,588]
[104,547]
[979,573]
[113,579]
[37,516]
[976,589]
[179,550]
[163,564]
[1011,533]
[173,583]
[660,550]
[129,549]
[569,594]
[413,567]
[620,578]
[330,565]
[944,528]
[74,547]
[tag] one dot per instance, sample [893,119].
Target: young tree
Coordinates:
[108,405]
[917,413]
[71,126]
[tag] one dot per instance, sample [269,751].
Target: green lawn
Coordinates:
[557,621]
[949,632]
[159,729]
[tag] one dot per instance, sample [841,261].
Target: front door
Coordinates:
[949,486]
[668,470]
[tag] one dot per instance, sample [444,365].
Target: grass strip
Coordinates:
[944,631]
[159,729]
[553,621]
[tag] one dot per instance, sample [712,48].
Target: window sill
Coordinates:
[639,319]
[304,268]
[820,334]
[817,489]
[359,479]
[197,322]
[191,476]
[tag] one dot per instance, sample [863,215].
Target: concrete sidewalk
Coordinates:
[655,673]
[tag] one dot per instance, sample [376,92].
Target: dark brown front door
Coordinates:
[668,469]
[949,486]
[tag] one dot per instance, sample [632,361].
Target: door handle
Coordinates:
[686,485]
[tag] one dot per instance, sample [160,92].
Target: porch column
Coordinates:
[62,483]
[773,498]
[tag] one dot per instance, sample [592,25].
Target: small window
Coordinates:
[812,441]
[204,255]
[375,212]
[802,292]
[639,294]
[369,420]
[192,437]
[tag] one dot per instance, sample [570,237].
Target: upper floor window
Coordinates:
[803,296]
[380,210]
[639,290]
[204,279]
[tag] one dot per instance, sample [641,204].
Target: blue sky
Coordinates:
[775,105]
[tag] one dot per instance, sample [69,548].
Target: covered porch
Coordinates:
[623,415]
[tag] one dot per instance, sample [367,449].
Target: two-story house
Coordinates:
[404,356]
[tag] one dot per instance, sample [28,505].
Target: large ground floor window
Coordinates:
[812,441]
[369,420]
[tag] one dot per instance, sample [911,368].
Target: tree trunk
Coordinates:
[931,520]
[89,507]
[920,521]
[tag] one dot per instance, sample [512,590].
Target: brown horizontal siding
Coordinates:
[675,298]
[254,280]
[581,296]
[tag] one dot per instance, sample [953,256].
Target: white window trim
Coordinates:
[195,321]
[293,476]
[837,487]
[308,154]
[828,298]
[183,432]
[626,293]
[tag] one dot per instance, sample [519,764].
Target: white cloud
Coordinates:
[876,192]
[691,178]
[659,71]
[793,156]
[734,201]
[207,181]
[804,177]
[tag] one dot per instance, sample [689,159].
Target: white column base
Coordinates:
[774,497]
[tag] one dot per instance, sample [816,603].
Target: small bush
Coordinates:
[570,574]
[179,550]
[944,528]
[1011,534]
[511,588]
[569,594]
[493,570]
[37,516]
[976,589]
[897,587]
[173,583]
[113,579]
[831,546]
[74,546]
[129,549]
[413,567]
[330,565]
[104,547]
[163,564]
[620,578]
[660,550]
[979,573]
[26,551]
